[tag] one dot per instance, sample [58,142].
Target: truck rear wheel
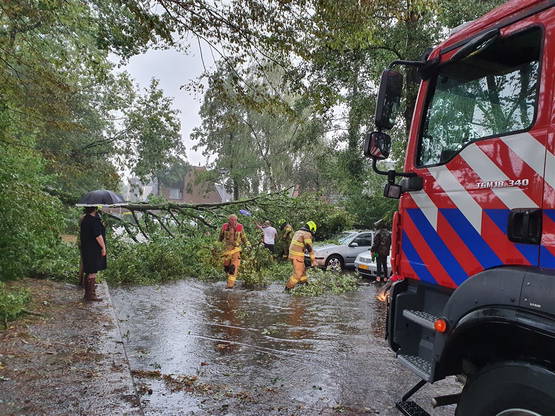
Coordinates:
[509,389]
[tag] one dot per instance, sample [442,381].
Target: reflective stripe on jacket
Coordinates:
[302,240]
[232,238]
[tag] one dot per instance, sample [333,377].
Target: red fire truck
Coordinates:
[474,236]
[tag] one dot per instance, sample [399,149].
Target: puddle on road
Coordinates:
[240,352]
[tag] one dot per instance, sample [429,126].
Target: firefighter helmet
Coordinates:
[311,225]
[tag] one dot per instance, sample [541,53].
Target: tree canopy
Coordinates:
[286,105]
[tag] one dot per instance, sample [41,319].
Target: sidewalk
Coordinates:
[70,361]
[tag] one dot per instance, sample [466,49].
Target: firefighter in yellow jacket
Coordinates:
[284,240]
[302,240]
[233,237]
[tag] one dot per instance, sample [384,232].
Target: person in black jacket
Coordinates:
[93,250]
[381,247]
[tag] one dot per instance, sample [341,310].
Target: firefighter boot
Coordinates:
[230,281]
[291,283]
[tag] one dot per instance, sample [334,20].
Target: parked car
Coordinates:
[343,251]
[365,266]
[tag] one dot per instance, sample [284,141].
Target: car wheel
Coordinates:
[509,389]
[335,263]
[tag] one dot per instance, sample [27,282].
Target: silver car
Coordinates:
[366,266]
[343,254]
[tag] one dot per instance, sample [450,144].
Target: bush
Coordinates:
[163,259]
[59,261]
[166,259]
[258,267]
[31,220]
[12,303]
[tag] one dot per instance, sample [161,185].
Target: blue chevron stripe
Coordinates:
[501,218]
[550,213]
[547,259]
[474,241]
[442,252]
[415,261]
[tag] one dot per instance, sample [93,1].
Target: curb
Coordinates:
[118,348]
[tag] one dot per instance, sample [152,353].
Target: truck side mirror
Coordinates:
[389,97]
[415,183]
[392,190]
[377,145]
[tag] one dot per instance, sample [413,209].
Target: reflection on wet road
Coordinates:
[261,352]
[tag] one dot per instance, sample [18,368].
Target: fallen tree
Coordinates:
[170,218]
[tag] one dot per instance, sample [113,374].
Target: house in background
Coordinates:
[194,189]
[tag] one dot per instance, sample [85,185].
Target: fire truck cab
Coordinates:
[473,247]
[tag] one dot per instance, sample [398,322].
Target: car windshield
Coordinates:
[344,238]
[491,93]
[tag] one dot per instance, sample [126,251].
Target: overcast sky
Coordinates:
[174,69]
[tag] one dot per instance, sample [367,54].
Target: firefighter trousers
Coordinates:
[299,273]
[231,266]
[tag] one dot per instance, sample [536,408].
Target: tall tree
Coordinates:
[64,114]
[257,146]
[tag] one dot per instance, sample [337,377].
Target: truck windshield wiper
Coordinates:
[479,43]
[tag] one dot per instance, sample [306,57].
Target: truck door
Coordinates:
[481,148]
[547,249]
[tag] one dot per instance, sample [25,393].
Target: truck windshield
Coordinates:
[490,93]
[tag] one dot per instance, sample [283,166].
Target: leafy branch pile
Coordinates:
[181,240]
[326,282]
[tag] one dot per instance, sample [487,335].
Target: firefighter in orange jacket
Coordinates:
[233,237]
[302,240]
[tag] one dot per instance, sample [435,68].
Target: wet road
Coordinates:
[198,349]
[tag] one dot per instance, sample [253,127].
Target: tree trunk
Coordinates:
[354,165]
[235,190]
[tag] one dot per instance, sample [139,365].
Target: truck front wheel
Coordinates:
[509,389]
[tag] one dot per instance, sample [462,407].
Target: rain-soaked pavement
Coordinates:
[198,349]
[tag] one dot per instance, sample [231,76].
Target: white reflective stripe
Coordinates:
[550,169]
[487,170]
[458,194]
[532,152]
[427,206]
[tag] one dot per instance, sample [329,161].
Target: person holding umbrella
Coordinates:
[92,237]
[93,250]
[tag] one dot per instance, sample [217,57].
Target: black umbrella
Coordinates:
[100,197]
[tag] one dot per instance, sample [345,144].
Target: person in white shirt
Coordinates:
[270,234]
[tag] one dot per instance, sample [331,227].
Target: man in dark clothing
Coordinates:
[380,248]
[93,250]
